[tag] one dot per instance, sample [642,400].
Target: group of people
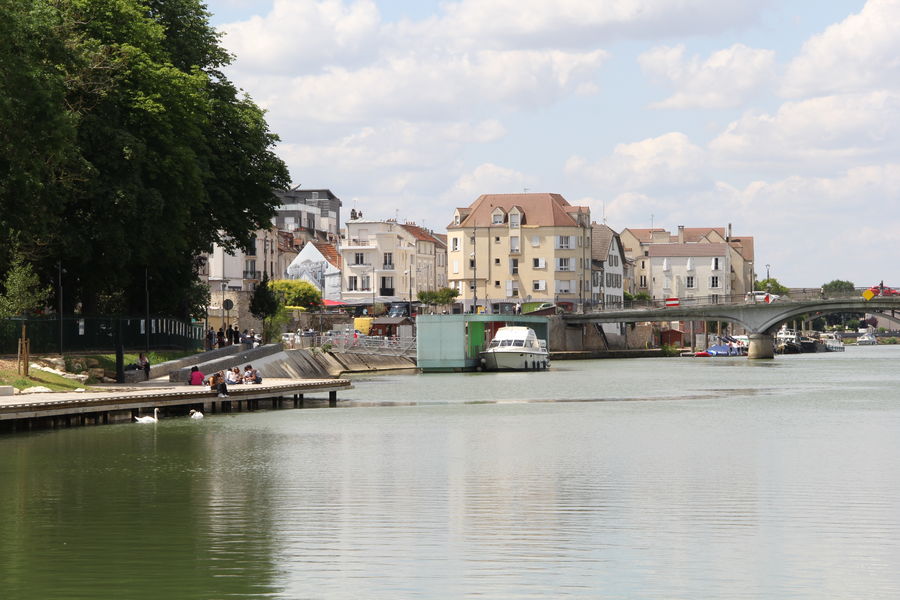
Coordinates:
[227,336]
[220,380]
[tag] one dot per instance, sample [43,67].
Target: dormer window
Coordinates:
[514,219]
[497,219]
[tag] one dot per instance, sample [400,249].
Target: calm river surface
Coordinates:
[641,478]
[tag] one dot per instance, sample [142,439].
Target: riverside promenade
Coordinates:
[104,404]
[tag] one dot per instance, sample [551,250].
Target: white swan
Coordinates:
[153,419]
[196,414]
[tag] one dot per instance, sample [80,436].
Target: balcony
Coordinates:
[386,291]
[252,275]
[357,243]
[387,267]
[515,250]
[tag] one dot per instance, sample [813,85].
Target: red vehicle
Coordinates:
[883,290]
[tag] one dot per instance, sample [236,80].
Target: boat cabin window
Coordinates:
[494,344]
[518,342]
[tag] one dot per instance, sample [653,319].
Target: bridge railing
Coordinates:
[793,295]
[388,346]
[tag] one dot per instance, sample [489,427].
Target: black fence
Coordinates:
[79,334]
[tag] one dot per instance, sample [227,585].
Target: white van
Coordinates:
[761,296]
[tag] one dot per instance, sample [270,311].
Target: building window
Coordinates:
[471,263]
[496,239]
[689,282]
[563,264]
[514,243]
[454,244]
[643,281]
[352,283]
[514,266]
[535,241]
[538,285]
[388,260]
[715,264]
[564,242]
[714,281]
[359,258]
[514,220]
[366,283]
[497,283]
[497,219]
[496,261]
[539,263]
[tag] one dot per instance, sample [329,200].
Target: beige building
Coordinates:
[697,262]
[505,249]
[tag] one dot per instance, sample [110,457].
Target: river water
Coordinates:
[640,478]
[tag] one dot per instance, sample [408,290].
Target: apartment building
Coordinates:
[608,265]
[310,214]
[506,249]
[697,262]
[386,261]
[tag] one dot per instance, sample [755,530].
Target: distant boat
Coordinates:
[727,346]
[515,349]
[787,341]
[866,339]
[832,342]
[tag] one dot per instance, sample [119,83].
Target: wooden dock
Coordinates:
[25,412]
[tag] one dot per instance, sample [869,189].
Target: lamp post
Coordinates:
[147,304]
[768,283]
[59,267]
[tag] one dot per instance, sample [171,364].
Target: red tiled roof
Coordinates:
[538,209]
[420,233]
[329,251]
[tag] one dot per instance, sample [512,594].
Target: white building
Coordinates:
[608,268]
[385,261]
[690,271]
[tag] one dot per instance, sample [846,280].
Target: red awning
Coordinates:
[327,302]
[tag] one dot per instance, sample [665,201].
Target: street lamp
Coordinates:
[408,274]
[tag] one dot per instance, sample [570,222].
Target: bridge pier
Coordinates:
[762,345]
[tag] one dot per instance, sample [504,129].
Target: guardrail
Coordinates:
[387,346]
[794,295]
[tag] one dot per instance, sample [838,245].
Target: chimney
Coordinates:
[728,237]
[681,234]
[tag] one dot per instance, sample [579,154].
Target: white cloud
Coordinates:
[585,23]
[400,145]
[302,35]
[670,159]
[819,133]
[860,52]
[487,178]
[723,80]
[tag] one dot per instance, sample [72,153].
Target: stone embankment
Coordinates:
[274,361]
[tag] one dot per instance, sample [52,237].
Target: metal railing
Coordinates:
[793,295]
[364,344]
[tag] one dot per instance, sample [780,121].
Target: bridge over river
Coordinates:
[761,320]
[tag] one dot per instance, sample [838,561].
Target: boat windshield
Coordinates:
[519,343]
[494,344]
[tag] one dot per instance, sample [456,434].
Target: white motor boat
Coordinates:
[832,342]
[866,339]
[515,349]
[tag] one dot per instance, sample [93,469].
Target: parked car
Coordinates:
[883,290]
[761,296]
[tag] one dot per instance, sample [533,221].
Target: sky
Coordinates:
[779,117]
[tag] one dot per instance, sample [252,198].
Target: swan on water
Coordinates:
[148,419]
[196,414]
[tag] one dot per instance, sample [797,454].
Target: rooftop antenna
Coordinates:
[525,190]
[603,209]
[651,220]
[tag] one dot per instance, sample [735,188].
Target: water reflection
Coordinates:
[726,480]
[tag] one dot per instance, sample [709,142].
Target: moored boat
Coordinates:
[515,349]
[832,342]
[866,339]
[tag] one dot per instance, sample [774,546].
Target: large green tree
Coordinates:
[839,286]
[152,155]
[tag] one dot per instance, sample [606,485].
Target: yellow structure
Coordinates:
[506,249]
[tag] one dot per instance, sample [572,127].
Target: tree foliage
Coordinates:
[22,290]
[123,147]
[297,292]
[439,297]
[839,286]
[264,303]
[771,285]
